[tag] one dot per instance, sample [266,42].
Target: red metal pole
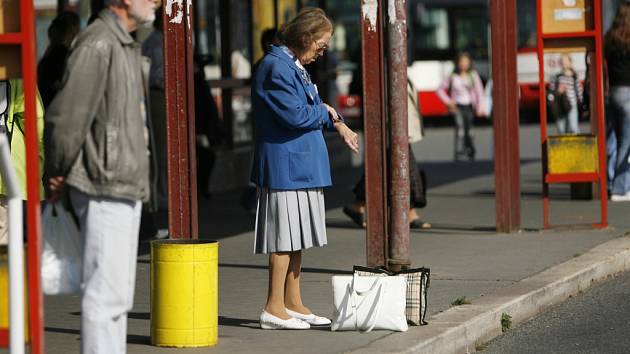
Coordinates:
[180,117]
[506,115]
[399,147]
[542,107]
[601,126]
[33,180]
[375,131]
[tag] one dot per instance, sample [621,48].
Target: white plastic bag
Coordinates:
[62,255]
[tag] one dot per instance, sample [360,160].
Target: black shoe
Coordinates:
[357,217]
[418,224]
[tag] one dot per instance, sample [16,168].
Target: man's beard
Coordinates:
[142,20]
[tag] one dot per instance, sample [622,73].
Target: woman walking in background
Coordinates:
[462,93]
[291,164]
[417,178]
[617,53]
[565,87]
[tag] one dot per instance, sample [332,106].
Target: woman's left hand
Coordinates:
[349,137]
[333,113]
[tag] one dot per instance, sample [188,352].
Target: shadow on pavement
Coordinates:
[62,330]
[238,322]
[139,315]
[450,229]
[137,339]
[222,216]
[304,270]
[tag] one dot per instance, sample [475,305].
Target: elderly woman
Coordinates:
[291,164]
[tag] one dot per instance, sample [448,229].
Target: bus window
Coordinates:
[526,23]
[471,32]
[431,28]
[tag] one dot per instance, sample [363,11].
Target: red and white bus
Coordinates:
[439,29]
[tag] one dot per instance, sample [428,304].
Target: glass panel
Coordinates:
[208,35]
[565,72]
[526,23]
[43,19]
[240,27]
[431,28]
[242,122]
[471,33]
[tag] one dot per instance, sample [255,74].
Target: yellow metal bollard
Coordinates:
[184,293]
[4,293]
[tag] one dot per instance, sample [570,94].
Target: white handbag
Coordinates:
[365,303]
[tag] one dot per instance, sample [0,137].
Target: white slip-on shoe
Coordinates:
[620,197]
[269,321]
[311,319]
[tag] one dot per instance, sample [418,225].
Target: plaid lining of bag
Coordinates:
[418,281]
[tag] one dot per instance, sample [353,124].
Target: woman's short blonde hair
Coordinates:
[309,25]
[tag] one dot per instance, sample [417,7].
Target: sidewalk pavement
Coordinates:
[466,256]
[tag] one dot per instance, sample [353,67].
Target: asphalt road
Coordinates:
[594,322]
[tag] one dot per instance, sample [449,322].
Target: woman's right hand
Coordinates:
[452,108]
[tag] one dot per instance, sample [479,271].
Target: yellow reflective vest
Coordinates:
[15,125]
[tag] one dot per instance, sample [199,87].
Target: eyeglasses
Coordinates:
[321,47]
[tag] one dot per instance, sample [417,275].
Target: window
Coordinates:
[526,23]
[431,28]
[470,32]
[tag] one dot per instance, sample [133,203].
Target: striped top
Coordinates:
[574,89]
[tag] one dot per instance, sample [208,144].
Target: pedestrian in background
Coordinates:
[12,125]
[97,147]
[462,93]
[566,89]
[291,165]
[209,127]
[617,53]
[62,31]
[417,178]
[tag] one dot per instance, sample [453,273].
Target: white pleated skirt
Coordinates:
[289,220]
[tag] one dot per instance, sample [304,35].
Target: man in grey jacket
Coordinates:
[96,145]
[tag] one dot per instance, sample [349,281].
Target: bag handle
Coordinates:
[353,292]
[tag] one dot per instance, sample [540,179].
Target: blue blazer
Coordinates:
[290,152]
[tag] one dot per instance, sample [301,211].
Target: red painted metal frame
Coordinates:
[585,34]
[572,177]
[26,39]
[375,124]
[180,117]
[506,116]
[33,180]
[600,177]
[601,124]
[11,38]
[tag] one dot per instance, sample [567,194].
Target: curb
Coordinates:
[459,329]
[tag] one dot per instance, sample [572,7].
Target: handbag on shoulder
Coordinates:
[418,281]
[364,303]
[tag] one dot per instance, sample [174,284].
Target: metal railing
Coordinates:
[16,249]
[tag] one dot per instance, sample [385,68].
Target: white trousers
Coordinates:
[110,229]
